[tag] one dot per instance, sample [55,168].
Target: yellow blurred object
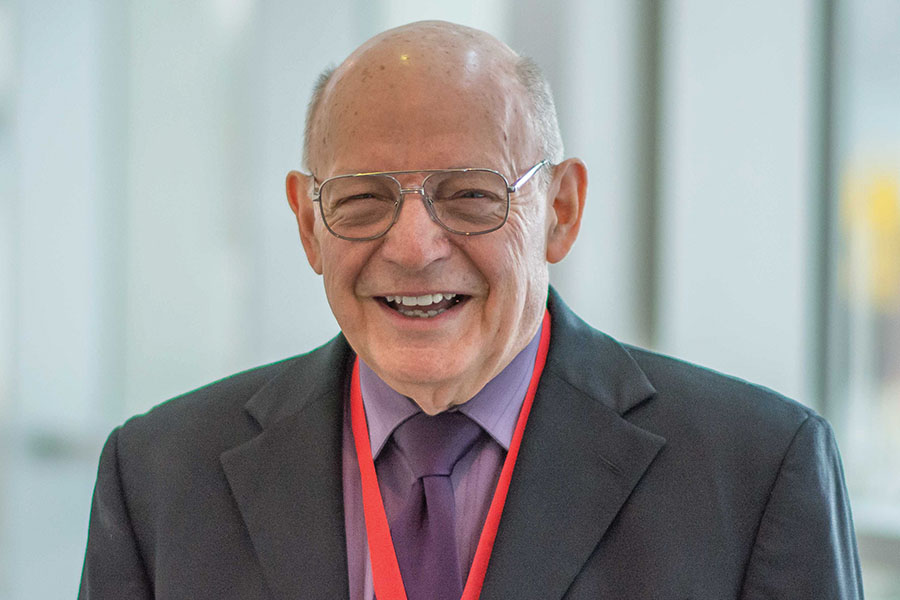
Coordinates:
[870,218]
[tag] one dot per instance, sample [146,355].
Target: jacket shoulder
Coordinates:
[220,403]
[696,389]
[646,386]
[226,412]
[727,424]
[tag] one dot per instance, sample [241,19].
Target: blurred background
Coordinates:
[743,213]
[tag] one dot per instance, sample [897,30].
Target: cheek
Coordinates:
[526,239]
[342,262]
[515,263]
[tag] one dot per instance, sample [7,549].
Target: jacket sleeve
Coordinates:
[805,546]
[113,568]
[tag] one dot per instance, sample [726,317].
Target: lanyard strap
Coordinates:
[386,577]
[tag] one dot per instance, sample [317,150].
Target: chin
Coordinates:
[411,369]
[417,368]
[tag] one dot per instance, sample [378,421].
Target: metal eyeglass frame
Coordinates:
[398,205]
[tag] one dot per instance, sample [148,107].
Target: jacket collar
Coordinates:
[317,376]
[593,362]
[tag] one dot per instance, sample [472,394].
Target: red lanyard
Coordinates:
[386,577]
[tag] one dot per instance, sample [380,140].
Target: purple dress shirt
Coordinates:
[495,408]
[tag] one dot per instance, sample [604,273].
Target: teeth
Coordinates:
[420,313]
[424,300]
[409,305]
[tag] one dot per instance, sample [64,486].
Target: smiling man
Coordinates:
[409,101]
[466,435]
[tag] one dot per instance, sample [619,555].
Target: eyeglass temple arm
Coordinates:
[527,175]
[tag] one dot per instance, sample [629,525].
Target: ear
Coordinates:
[298,186]
[567,193]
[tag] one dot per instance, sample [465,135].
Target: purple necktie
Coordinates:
[424,532]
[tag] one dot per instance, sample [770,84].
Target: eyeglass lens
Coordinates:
[463,201]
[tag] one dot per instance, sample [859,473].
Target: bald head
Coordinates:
[407,69]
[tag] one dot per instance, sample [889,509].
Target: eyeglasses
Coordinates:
[364,206]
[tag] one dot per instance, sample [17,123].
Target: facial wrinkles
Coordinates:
[401,132]
[524,230]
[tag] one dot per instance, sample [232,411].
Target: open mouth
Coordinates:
[425,306]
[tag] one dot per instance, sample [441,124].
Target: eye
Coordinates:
[473,193]
[362,197]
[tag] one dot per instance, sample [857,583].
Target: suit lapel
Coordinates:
[287,480]
[579,461]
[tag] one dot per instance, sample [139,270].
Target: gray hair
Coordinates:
[311,109]
[529,75]
[537,90]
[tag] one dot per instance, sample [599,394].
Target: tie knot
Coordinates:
[433,445]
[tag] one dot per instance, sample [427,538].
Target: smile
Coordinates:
[425,306]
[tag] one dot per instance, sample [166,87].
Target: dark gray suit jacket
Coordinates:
[639,476]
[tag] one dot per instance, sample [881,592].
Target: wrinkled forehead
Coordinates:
[436,84]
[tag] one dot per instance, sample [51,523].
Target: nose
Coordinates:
[415,241]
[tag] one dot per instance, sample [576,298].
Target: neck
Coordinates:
[437,399]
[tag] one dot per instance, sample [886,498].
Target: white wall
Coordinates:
[596,83]
[735,245]
[59,283]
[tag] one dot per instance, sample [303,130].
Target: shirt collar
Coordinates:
[495,407]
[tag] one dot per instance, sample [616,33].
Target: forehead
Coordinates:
[408,103]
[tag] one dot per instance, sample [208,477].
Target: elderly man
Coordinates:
[466,435]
